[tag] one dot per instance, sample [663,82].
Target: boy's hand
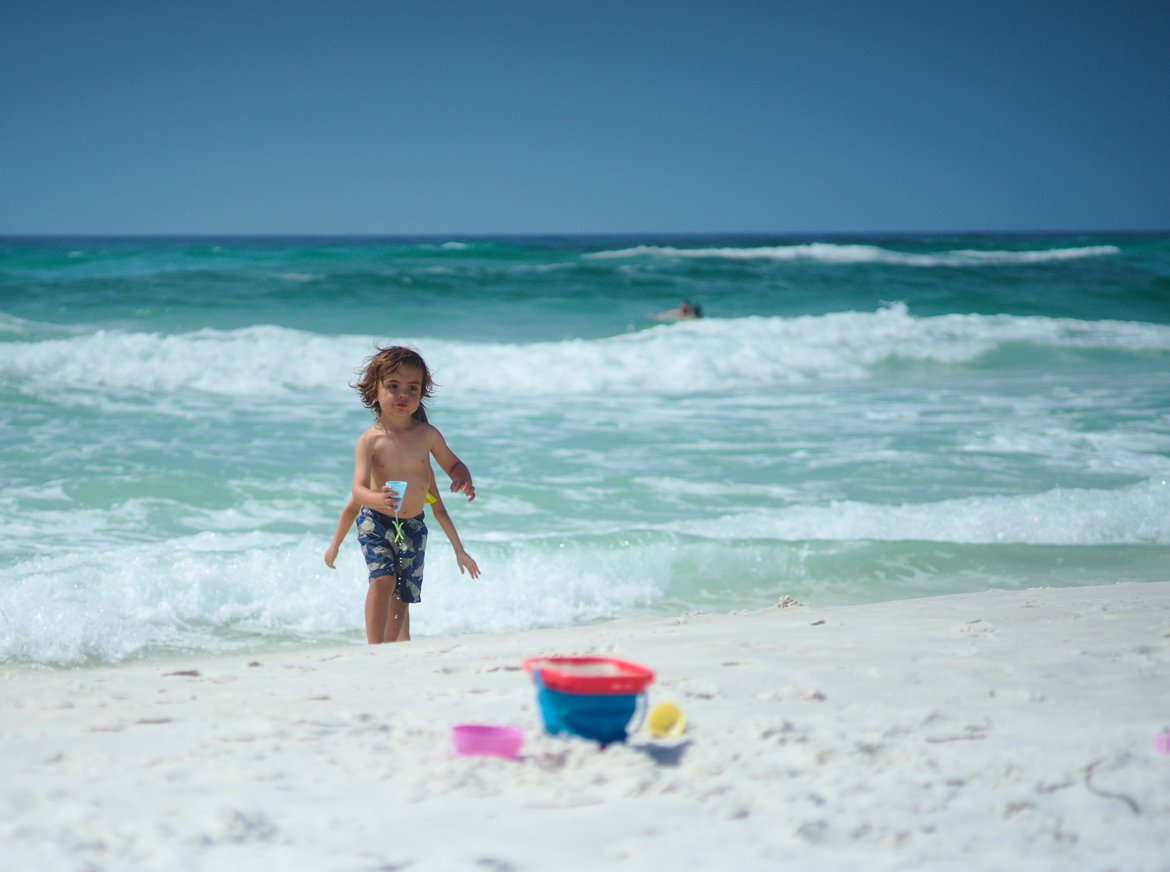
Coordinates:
[463,486]
[330,556]
[465,561]
[392,497]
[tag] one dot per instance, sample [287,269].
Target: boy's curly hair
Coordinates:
[381,365]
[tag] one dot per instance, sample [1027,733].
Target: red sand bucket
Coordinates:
[592,697]
[591,675]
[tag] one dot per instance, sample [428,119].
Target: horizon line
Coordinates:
[571,234]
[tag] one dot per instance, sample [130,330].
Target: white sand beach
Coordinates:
[998,730]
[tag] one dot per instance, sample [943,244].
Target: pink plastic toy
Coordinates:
[1162,743]
[482,739]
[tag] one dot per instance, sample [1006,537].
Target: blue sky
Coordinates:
[503,116]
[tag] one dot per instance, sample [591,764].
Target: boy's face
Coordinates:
[401,391]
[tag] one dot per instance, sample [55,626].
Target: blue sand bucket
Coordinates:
[604,718]
[592,697]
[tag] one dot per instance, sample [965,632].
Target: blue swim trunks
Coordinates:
[387,553]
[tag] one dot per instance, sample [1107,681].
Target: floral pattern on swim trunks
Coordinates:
[380,542]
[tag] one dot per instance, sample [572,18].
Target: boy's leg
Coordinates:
[397,621]
[379,598]
[404,628]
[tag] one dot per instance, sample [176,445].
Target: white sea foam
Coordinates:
[758,352]
[181,595]
[963,256]
[1113,452]
[1134,515]
[219,592]
[825,252]
[224,591]
[13,324]
[250,362]
[753,352]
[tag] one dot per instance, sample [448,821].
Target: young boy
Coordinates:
[398,447]
[349,514]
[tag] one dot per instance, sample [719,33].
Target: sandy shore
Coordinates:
[1001,730]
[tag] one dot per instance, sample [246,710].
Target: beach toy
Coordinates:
[666,721]
[1162,743]
[602,718]
[486,740]
[399,487]
[591,697]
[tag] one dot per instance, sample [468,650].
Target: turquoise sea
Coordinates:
[855,419]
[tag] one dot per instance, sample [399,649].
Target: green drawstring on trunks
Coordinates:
[399,541]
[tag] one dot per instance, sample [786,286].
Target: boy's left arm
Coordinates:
[452,465]
[462,558]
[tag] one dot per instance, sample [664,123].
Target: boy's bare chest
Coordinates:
[398,453]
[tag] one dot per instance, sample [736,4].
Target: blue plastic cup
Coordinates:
[398,487]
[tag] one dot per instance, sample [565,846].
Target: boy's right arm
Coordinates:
[348,515]
[362,493]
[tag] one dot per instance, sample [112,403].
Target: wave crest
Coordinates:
[825,252]
[710,354]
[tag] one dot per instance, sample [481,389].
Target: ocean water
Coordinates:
[853,420]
